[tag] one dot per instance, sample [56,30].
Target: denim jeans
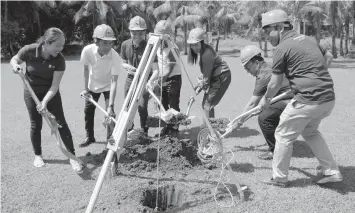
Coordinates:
[217,89]
[302,119]
[55,107]
[89,112]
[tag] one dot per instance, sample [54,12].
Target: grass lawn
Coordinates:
[56,188]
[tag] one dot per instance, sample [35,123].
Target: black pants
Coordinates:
[56,108]
[213,96]
[143,105]
[268,120]
[89,112]
[171,94]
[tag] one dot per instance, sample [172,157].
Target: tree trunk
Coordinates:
[304,27]
[341,39]
[353,40]
[260,39]
[217,43]
[265,49]
[347,22]
[185,38]
[333,14]
[318,28]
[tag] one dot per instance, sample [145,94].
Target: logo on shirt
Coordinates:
[51,66]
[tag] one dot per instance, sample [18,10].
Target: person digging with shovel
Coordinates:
[215,71]
[305,64]
[269,118]
[45,66]
[101,68]
[170,71]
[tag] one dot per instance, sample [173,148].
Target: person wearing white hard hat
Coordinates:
[131,52]
[102,65]
[170,71]
[269,118]
[305,64]
[216,75]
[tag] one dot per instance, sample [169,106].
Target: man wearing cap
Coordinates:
[269,118]
[131,52]
[170,70]
[101,69]
[305,64]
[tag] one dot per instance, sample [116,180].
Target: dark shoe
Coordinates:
[336,178]
[145,130]
[266,156]
[87,142]
[274,182]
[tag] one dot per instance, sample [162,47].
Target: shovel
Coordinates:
[51,121]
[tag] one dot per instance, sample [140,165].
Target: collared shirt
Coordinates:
[38,69]
[211,64]
[302,60]
[133,54]
[102,68]
[263,78]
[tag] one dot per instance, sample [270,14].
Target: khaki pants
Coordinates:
[302,119]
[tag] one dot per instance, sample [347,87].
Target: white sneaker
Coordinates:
[38,162]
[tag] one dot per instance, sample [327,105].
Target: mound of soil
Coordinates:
[175,155]
[176,119]
[219,123]
[141,155]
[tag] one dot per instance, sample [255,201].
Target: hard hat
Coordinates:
[273,17]
[163,27]
[196,35]
[137,23]
[104,32]
[248,52]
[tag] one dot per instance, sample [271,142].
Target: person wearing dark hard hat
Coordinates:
[305,64]
[170,71]
[216,75]
[269,118]
[131,52]
[101,69]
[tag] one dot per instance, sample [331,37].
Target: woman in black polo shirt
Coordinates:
[216,75]
[45,67]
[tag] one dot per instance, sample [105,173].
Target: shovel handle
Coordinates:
[191,101]
[157,100]
[89,98]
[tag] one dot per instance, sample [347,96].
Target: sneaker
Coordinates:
[266,156]
[336,178]
[38,162]
[87,142]
[77,167]
[274,182]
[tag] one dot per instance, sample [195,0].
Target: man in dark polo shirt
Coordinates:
[131,52]
[305,65]
[269,118]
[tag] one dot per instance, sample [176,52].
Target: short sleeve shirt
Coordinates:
[133,54]
[38,69]
[263,79]
[302,60]
[101,68]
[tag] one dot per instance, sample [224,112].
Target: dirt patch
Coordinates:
[219,123]
[153,121]
[141,155]
[175,155]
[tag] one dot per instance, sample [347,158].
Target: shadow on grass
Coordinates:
[243,132]
[348,184]
[243,167]
[301,150]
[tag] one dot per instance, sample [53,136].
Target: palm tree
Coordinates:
[334,5]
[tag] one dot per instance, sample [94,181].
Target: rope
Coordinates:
[220,181]
[159,140]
